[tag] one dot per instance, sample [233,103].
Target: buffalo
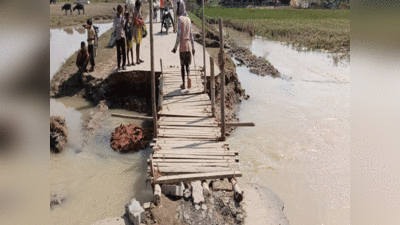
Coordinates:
[80,7]
[66,7]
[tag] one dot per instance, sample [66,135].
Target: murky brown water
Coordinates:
[300,145]
[96,181]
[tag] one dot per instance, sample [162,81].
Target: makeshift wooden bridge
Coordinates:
[189,142]
[187,146]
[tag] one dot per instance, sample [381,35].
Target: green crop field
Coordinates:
[313,28]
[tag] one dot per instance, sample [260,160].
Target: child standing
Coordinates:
[90,40]
[128,34]
[119,24]
[138,28]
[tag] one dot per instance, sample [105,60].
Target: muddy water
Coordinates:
[66,41]
[300,145]
[95,181]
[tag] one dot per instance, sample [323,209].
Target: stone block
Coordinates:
[135,212]
[173,190]
[222,185]
[197,192]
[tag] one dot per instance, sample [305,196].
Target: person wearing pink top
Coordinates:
[185,40]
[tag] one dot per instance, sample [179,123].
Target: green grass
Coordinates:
[312,28]
[279,14]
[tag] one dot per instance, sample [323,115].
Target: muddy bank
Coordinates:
[219,206]
[58,133]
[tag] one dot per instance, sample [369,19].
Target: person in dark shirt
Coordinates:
[82,58]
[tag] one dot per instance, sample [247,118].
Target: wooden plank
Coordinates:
[171,164]
[197,176]
[180,170]
[208,115]
[195,161]
[188,156]
[174,152]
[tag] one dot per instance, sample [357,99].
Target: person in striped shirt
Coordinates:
[185,40]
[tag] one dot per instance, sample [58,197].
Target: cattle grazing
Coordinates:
[66,7]
[80,7]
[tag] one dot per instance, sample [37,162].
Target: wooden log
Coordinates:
[157,192]
[212,87]
[153,78]
[222,83]
[197,176]
[131,116]
[238,124]
[237,190]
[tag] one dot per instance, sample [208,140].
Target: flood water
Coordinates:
[300,146]
[96,181]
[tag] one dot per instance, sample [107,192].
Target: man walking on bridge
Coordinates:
[184,38]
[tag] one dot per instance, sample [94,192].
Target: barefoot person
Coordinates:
[82,58]
[184,39]
[138,28]
[119,24]
[90,40]
[128,34]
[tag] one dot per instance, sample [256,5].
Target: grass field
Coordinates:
[312,28]
[94,11]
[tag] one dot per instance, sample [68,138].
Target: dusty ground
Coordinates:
[95,11]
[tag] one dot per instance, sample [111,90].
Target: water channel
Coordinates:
[300,146]
[96,181]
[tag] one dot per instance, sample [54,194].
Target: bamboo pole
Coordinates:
[131,116]
[212,87]
[239,124]
[204,52]
[222,83]
[153,78]
[160,89]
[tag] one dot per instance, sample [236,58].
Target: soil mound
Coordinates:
[58,133]
[128,138]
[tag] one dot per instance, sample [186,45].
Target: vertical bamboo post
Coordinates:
[204,52]
[160,89]
[212,87]
[153,77]
[222,79]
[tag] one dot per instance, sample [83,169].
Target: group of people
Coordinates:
[130,27]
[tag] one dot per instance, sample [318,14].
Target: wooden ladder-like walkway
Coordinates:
[187,147]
